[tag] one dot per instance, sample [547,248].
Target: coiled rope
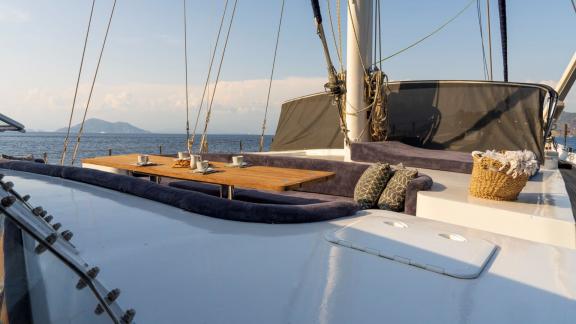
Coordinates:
[67,139]
[261,146]
[81,130]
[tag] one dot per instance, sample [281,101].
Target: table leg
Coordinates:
[230,192]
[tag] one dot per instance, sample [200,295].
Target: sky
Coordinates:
[142,75]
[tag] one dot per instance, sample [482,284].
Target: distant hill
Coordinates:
[98,126]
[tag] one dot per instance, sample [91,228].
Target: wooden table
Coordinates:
[254,177]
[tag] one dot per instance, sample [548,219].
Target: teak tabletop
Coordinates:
[254,177]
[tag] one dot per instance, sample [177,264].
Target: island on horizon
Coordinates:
[99,126]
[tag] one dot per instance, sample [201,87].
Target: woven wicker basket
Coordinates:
[488,183]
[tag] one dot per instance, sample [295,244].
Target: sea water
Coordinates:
[51,144]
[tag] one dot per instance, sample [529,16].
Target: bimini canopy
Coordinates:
[445,115]
[9,124]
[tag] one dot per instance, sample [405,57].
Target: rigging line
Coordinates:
[334,36]
[489,39]
[81,130]
[379,33]
[374,28]
[377,44]
[573,5]
[211,64]
[209,112]
[435,31]
[339,20]
[67,139]
[485,65]
[186,76]
[272,76]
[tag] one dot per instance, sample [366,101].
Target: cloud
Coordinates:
[13,15]
[238,105]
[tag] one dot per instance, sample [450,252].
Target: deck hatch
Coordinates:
[416,244]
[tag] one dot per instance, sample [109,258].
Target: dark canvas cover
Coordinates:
[309,122]
[446,115]
[466,115]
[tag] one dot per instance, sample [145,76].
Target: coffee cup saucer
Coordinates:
[149,163]
[207,170]
[237,165]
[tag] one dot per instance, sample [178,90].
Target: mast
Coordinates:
[503,37]
[359,58]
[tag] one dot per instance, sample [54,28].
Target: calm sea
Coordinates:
[570,141]
[40,143]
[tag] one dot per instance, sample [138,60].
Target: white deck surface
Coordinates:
[542,213]
[176,267]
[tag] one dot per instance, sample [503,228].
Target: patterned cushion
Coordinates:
[371,183]
[392,198]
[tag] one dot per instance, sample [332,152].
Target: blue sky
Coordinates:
[142,74]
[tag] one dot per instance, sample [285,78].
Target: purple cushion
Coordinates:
[193,201]
[396,152]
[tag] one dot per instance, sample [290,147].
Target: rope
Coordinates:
[203,142]
[186,76]
[338,52]
[67,139]
[211,64]
[338,12]
[379,33]
[435,31]
[574,5]
[485,65]
[81,130]
[489,39]
[271,77]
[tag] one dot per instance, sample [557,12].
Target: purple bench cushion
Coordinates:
[396,152]
[341,184]
[262,196]
[206,188]
[195,202]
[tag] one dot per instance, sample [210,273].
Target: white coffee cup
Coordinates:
[237,160]
[183,155]
[194,159]
[143,159]
[202,165]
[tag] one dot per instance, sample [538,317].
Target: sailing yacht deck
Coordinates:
[176,266]
[542,213]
